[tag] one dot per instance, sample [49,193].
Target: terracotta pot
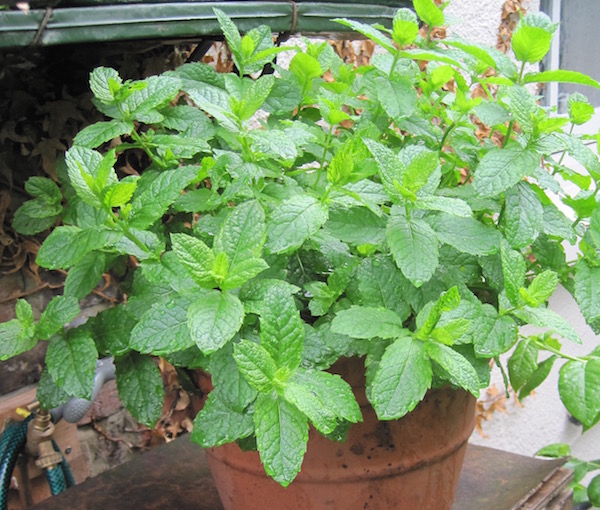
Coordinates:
[413,463]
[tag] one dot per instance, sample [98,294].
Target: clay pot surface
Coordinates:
[413,463]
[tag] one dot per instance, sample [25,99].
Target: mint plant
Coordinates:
[409,212]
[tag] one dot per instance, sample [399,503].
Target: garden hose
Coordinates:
[14,438]
[59,476]
[12,443]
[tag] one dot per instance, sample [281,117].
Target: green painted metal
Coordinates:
[84,21]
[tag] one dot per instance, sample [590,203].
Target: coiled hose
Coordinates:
[60,477]
[12,442]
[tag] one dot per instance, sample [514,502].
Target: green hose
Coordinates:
[56,480]
[12,442]
[64,465]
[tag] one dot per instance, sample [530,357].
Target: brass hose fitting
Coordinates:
[39,441]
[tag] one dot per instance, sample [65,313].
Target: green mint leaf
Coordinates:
[480,52]
[15,340]
[181,148]
[554,451]
[452,331]
[59,312]
[242,234]
[71,362]
[402,379]
[281,328]
[380,284]
[197,75]
[151,246]
[356,226]
[542,287]
[214,319]
[188,120]
[467,235]
[579,389]
[458,369]
[119,193]
[532,37]
[255,364]
[538,377]
[220,267]
[580,109]
[561,76]
[100,79]
[514,269]
[556,224]
[163,328]
[293,222]
[35,216]
[587,293]
[368,322]
[429,13]
[454,206]
[196,257]
[398,98]
[153,202]
[583,154]
[308,402]
[335,393]
[158,92]
[215,102]
[369,32]
[419,167]
[85,275]
[191,359]
[501,169]
[405,27]
[254,292]
[491,114]
[140,387]
[87,173]
[24,314]
[305,68]
[593,491]
[67,245]
[258,49]
[493,334]
[231,386]
[232,36]
[240,273]
[522,105]
[522,364]
[48,393]
[112,330]
[254,97]
[96,134]
[544,318]
[274,143]
[281,436]
[430,315]
[45,189]
[390,168]
[285,96]
[217,423]
[414,246]
[523,215]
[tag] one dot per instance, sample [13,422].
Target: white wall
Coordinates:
[478,20]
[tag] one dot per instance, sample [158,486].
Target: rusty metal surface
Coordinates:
[176,476]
